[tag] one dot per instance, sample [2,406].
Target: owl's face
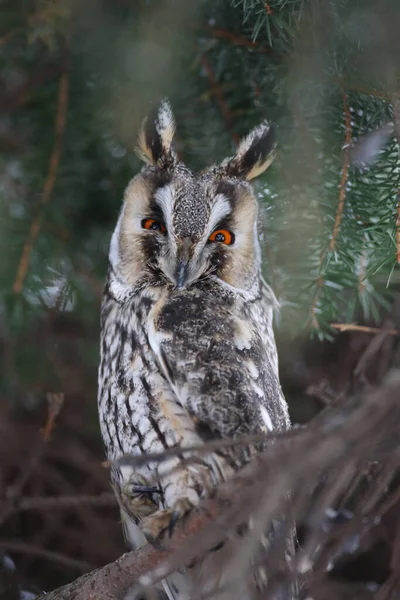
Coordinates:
[177,228]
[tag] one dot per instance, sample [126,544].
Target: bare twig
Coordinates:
[60,123]
[55,402]
[345,174]
[29,503]
[62,559]
[363,328]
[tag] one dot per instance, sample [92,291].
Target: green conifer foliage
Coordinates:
[78,77]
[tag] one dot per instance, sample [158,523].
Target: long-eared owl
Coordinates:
[187,347]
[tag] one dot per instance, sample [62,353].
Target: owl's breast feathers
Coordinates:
[221,362]
[181,367]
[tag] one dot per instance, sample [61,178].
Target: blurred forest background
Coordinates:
[76,80]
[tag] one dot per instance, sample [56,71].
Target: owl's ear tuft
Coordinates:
[254,155]
[156,135]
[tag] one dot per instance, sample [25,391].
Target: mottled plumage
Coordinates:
[187,346]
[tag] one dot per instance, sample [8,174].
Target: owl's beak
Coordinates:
[182,263]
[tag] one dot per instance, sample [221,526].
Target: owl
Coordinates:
[187,347]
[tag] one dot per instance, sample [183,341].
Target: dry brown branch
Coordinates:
[363,328]
[112,581]
[345,174]
[55,402]
[339,210]
[216,89]
[334,448]
[60,123]
[268,9]
[233,38]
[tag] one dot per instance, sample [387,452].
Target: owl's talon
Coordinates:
[137,496]
[163,521]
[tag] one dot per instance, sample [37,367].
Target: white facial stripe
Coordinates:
[113,254]
[220,209]
[165,200]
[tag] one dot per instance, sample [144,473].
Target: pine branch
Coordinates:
[34,230]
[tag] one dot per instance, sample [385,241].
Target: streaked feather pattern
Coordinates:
[187,347]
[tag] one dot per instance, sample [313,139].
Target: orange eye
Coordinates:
[153,225]
[223,236]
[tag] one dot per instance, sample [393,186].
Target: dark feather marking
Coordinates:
[153,407]
[167,366]
[133,342]
[228,189]
[204,430]
[122,334]
[116,421]
[111,439]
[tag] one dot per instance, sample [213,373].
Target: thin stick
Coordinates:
[363,328]
[31,550]
[60,123]
[345,174]
[55,402]
[45,503]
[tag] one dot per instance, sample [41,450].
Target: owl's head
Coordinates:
[177,227]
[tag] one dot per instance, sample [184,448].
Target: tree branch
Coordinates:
[334,448]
